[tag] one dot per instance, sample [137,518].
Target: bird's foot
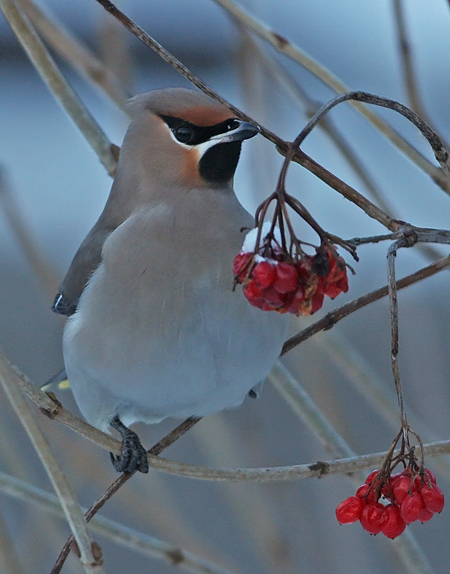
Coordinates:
[133,456]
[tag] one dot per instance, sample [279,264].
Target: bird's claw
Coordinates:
[133,455]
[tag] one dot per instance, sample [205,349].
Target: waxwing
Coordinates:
[155,328]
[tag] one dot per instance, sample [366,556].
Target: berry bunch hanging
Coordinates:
[276,272]
[274,280]
[388,502]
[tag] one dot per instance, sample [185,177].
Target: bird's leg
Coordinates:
[134,455]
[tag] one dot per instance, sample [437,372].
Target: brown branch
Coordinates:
[337,315]
[156,450]
[330,179]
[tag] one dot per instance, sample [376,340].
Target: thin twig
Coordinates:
[372,387]
[285,46]
[112,530]
[438,147]
[330,179]
[161,445]
[90,553]
[316,469]
[280,74]
[330,319]
[57,84]
[393,306]
[309,413]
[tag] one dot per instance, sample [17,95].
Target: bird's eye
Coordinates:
[184,134]
[232,125]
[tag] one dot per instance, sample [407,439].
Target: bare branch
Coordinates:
[161,445]
[316,469]
[438,147]
[75,53]
[330,179]
[285,46]
[333,317]
[90,554]
[112,530]
[50,73]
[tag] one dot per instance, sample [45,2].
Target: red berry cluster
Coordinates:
[279,283]
[409,498]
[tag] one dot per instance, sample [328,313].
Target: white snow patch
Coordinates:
[250,239]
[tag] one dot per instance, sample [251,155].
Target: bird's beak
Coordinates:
[244,131]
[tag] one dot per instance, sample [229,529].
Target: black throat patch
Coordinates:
[219,162]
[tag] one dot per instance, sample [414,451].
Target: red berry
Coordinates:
[253,294]
[363,490]
[264,274]
[425,515]
[296,301]
[273,298]
[411,507]
[392,524]
[371,476]
[348,510]
[371,516]
[429,475]
[240,262]
[369,494]
[400,487]
[433,497]
[332,289]
[317,300]
[287,277]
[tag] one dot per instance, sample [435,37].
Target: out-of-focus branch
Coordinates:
[65,95]
[112,530]
[8,556]
[75,52]
[90,553]
[330,319]
[40,265]
[286,47]
[156,450]
[330,179]
[280,74]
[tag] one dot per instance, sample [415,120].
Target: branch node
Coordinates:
[176,556]
[97,553]
[51,414]
[320,467]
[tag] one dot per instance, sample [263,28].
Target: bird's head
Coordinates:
[184,138]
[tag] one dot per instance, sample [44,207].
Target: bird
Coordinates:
[155,328]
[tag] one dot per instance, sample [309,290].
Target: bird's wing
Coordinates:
[86,260]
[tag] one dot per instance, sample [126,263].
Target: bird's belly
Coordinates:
[159,363]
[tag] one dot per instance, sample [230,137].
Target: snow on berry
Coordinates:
[389,503]
[275,280]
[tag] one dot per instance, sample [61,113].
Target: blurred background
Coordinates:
[57,188]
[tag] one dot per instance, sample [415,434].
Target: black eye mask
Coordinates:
[189,134]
